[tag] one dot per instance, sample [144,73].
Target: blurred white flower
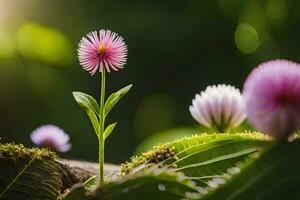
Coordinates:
[52,137]
[220,106]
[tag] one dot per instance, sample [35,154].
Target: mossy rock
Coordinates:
[28,173]
[34,173]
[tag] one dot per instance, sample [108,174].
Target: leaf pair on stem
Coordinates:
[93,110]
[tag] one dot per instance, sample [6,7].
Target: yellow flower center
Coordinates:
[101,49]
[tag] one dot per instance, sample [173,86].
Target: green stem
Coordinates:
[101,129]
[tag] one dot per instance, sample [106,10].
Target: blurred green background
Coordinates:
[176,49]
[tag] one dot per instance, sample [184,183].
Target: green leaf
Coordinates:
[145,184]
[225,166]
[90,105]
[77,192]
[148,184]
[165,136]
[109,130]
[92,182]
[209,160]
[208,156]
[275,175]
[28,173]
[86,101]
[113,99]
[94,120]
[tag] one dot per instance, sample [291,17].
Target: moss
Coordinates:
[157,155]
[13,152]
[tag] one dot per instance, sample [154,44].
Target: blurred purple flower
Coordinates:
[52,137]
[220,106]
[102,50]
[272,93]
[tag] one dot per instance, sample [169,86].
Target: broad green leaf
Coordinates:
[90,105]
[113,99]
[28,173]
[275,175]
[207,156]
[109,130]
[169,135]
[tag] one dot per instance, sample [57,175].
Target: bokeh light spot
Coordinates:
[7,46]
[276,10]
[45,44]
[246,38]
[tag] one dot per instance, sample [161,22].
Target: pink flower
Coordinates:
[103,50]
[52,137]
[272,93]
[220,106]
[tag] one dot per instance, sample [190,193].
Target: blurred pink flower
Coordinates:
[220,106]
[272,93]
[52,137]
[103,49]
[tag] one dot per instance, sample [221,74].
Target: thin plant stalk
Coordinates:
[101,128]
